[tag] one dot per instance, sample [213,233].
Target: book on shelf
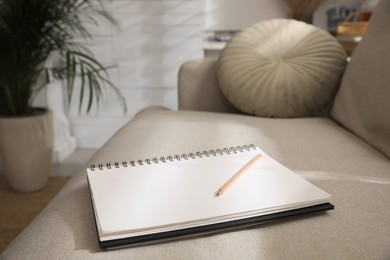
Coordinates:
[157,199]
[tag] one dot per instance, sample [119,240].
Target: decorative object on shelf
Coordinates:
[355,29]
[351,25]
[40,41]
[303,10]
[354,24]
[220,36]
[349,34]
[336,15]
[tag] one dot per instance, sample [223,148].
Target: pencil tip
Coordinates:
[218,193]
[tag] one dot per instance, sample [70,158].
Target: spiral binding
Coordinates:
[176,157]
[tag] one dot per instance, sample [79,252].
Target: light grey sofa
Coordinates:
[346,154]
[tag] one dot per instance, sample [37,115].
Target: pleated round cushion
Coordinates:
[281,68]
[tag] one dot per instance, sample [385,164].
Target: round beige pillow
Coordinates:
[281,68]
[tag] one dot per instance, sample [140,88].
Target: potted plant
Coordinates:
[39,42]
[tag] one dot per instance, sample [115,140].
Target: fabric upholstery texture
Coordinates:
[316,148]
[197,88]
[363,102]
[281,68]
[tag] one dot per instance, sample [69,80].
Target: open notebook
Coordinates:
[170,197]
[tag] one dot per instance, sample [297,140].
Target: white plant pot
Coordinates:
[26,150]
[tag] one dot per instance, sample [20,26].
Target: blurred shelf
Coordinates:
[349,43]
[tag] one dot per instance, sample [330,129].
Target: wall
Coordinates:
[153,39]
[236,15]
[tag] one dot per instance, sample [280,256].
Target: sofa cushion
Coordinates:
[363,102]
[281,68]
[316,148]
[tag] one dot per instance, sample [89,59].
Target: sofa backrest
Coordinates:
[362,104]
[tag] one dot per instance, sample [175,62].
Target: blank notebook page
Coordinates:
[138,200]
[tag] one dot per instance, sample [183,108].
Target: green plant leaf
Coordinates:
[38,36]
[71,74]
[82,87]
[91,88]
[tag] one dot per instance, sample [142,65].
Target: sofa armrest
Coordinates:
[198,88]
